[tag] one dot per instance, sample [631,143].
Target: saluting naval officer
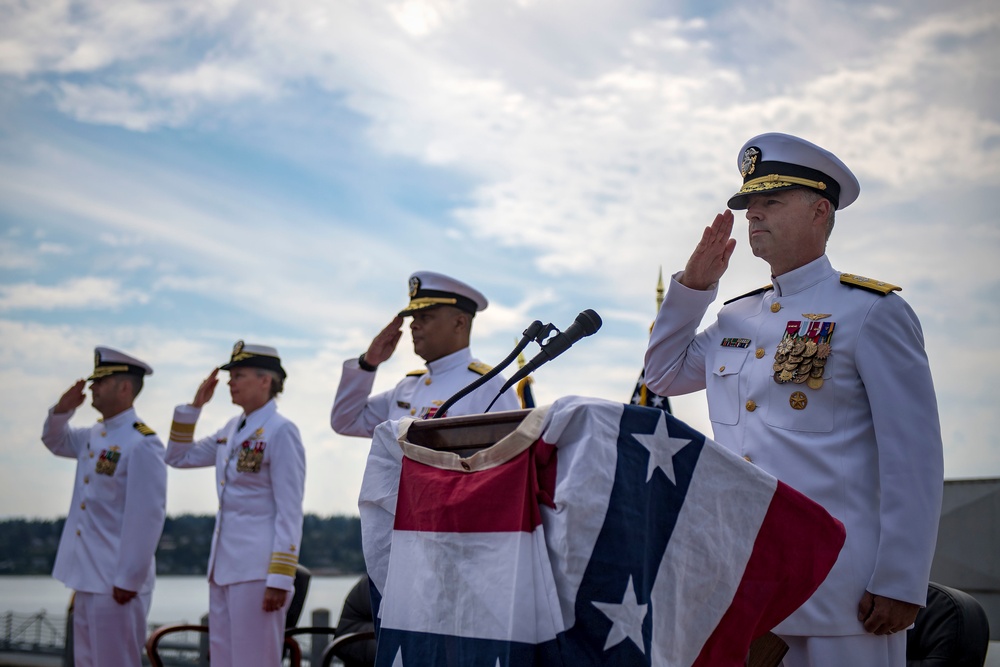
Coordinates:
[106,552]
[821,379]
[260,469]
[442,310]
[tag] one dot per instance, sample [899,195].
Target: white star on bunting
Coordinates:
[626,618]
[661,448]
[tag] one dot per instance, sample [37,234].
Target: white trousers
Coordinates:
[240,632]
[108,634]
[850,650]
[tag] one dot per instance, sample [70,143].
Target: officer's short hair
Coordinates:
[277,382]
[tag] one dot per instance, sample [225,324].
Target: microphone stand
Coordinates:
[536,331]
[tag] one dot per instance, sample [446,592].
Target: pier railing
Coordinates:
[43,634]
[32,633]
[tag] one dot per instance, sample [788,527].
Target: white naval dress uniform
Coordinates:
[260,477]
[110,536]
[866,444]
[419,394]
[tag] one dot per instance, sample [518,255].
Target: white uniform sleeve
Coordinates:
[182,450]
[144,512]
[59,438]
[675,357]
[288,475]
[354,411]
[893,366]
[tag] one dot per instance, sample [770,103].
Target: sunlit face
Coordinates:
[785,228]
[101,390]
[108,396]
[248,389]
[437,332]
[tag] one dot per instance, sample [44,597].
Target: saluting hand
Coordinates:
[72,399]
[384,344]
[206,390]
[710,258]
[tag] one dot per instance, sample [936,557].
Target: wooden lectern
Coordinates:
[469,434]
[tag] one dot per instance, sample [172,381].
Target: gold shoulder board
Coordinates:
[480,367]
[142,428]
[422,371]
[754,292]
[869,284]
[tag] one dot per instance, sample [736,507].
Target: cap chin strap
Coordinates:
[777,180]
[423,302]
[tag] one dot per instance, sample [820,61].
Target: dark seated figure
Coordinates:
[951,631]
[356,616]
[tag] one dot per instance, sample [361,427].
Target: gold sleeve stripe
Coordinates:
[277,568]
[283,563]
[182,432]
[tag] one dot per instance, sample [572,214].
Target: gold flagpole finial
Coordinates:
[660,291]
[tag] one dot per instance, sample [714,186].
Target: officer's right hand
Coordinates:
[710,258]
[72,399]
[384,344]
[206,390]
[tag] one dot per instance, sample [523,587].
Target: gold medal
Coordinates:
[814,382]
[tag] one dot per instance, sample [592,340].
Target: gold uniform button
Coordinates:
[413,411]
[746,457]
[86,479]
[759,353]
[775,307]
[722,368]
[751,406]
[78,533]
[222,483]
[104,433]
[83,506]
[427,380]
[92,455]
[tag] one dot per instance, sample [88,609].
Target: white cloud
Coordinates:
[597,141]
[74,294]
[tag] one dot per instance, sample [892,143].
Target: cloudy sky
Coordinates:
[178,175]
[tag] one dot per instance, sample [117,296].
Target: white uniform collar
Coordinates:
[803,277]
[258,416]
[450,362]
[126,416]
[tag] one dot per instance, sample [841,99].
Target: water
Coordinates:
[175,600]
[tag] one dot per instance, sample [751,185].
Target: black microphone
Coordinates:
[586,324]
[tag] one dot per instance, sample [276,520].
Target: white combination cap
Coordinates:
[776,161]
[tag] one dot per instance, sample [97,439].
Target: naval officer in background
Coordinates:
[260,469]
[442,310]
[106,552]
[821,379]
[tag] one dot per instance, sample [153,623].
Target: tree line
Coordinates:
[330,545]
